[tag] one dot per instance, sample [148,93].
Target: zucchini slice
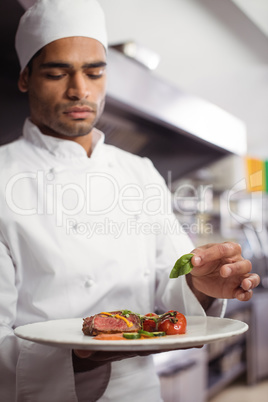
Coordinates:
[131,335]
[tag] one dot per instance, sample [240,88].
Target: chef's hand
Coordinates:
[220,271]
[86,360]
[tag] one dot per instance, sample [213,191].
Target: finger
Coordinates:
[244,293]
[242,267]
[241,295]
[250,282]
[111,356]
[218,251]
[83,354]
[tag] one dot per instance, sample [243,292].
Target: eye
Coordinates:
[54,76]
[96,74]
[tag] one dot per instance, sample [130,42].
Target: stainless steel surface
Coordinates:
[178,371]
[244,219]
[146,94]
[177,131]
[141,54]
[258,349]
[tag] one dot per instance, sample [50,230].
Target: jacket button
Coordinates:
[89,283]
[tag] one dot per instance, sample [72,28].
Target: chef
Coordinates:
[86,227]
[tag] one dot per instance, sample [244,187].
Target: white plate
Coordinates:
[67,333]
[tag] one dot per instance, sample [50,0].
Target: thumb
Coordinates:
[83,354]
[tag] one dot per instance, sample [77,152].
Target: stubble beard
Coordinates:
[55,126]
[79,129]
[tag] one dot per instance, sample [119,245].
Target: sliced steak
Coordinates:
[110,324]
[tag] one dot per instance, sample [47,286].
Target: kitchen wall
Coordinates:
[207,47]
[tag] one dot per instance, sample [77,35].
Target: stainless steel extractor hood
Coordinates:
[148,116]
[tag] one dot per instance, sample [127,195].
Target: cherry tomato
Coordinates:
[173,324]
[150,325]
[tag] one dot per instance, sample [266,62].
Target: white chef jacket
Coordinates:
[80,235]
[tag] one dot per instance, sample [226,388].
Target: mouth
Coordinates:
[77,112]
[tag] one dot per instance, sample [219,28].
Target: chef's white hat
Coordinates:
[49,20]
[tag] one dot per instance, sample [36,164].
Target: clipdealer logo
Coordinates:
[99,194]
[91,207]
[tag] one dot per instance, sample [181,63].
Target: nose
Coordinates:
[78,87]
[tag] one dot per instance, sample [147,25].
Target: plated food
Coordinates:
[124,324]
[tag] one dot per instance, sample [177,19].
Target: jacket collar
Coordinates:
[61,147]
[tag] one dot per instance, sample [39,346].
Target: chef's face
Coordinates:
[66,86]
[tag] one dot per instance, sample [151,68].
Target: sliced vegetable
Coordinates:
[131,335]
[151,334]
[146,333]
[182,266]
[143,334]
[159,333]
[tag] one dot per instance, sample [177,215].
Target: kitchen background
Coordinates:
[212,56]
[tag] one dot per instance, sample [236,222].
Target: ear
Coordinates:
[23,82]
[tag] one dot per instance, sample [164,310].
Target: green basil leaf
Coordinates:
[182,266]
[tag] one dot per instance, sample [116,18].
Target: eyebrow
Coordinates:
[56,64]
